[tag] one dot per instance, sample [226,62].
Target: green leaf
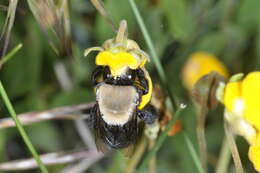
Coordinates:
[75,96]
[179,18]
[248,14]
[45,131]
[21,75]
[213,42]
[152,17]
[116,166]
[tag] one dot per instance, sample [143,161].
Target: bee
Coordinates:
[123,91]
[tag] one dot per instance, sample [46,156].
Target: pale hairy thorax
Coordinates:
[116,103]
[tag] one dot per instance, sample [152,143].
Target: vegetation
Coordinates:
[42,67]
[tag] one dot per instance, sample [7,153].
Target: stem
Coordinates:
[223,162]
[233,148]
[194,155]
[64,112]
[152,163]
[21,129]
[159,142]
[201,117]
[155,59]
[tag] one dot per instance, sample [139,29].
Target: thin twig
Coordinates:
[62,76]
[85,133]
[49,159]
[84,164]
[65,112]
[224,158]
[233,148]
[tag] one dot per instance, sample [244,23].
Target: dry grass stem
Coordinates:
[233,148]
[65,112]
[49,159]
[9,22]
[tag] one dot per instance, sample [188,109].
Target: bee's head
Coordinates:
[120,53]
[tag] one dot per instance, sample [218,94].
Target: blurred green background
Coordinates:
[227,29]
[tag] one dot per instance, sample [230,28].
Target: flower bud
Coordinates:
[198,65]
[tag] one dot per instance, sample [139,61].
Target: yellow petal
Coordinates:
[251,96]
[200,64]
[232,94]
[254,156]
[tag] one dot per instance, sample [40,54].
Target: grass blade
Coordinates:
[193,153]
[21,129]
[155,59]
[10,54]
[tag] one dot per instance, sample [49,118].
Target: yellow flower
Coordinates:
[232,96]
[241,99]
[200,64]
[251,96]
[254,156]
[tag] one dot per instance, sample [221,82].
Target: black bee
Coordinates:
[123,91]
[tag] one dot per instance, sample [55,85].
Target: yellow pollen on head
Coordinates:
[117,61]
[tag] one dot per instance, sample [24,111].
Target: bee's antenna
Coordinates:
[100,7]
[122,32]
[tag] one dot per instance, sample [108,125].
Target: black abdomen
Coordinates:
[119,136]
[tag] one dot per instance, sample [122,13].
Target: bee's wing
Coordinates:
[101,146]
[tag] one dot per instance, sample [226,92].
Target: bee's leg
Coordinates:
[150,118]
[95,74]
[148,114]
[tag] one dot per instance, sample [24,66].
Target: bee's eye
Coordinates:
[131,74]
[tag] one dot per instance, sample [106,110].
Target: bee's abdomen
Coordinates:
[120,136]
